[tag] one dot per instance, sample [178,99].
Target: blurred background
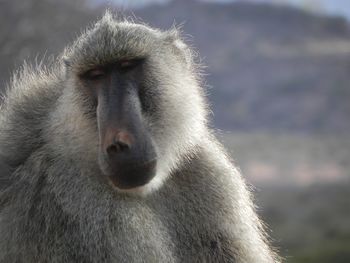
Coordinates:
[278,80]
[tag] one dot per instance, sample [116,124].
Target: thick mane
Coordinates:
[118,164]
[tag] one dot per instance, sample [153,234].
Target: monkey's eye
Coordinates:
[94,74]
[129,64]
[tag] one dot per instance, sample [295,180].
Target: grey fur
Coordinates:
[55,208]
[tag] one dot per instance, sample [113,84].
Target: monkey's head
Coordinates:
[136,91]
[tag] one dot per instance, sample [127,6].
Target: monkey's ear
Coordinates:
[172,34]
[173,37]
[66,62]
[66,65]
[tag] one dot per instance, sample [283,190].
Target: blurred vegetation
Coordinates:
[309,220]
[309,224]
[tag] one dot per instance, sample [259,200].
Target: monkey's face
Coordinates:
[127,153]
[147,106]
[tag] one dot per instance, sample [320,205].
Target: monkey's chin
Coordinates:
[142,190]
[137,179]
[129,184]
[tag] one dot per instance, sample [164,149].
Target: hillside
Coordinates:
[270,68]
[31,30]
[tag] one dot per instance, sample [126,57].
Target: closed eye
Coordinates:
[129,64]
[95,74]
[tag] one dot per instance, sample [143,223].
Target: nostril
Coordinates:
[117,147]
[122,146]
[112,149]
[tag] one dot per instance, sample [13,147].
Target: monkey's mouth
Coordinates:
[132,175]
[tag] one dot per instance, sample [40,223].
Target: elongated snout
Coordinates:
[127,154]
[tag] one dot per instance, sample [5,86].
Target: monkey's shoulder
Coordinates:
[199,204]
[208,170]
[205,186]
[27,103]
[32,89]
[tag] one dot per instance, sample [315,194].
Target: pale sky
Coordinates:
[333,7]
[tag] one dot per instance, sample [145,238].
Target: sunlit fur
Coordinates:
[55,204]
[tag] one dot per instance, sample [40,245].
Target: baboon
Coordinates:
[110,158]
